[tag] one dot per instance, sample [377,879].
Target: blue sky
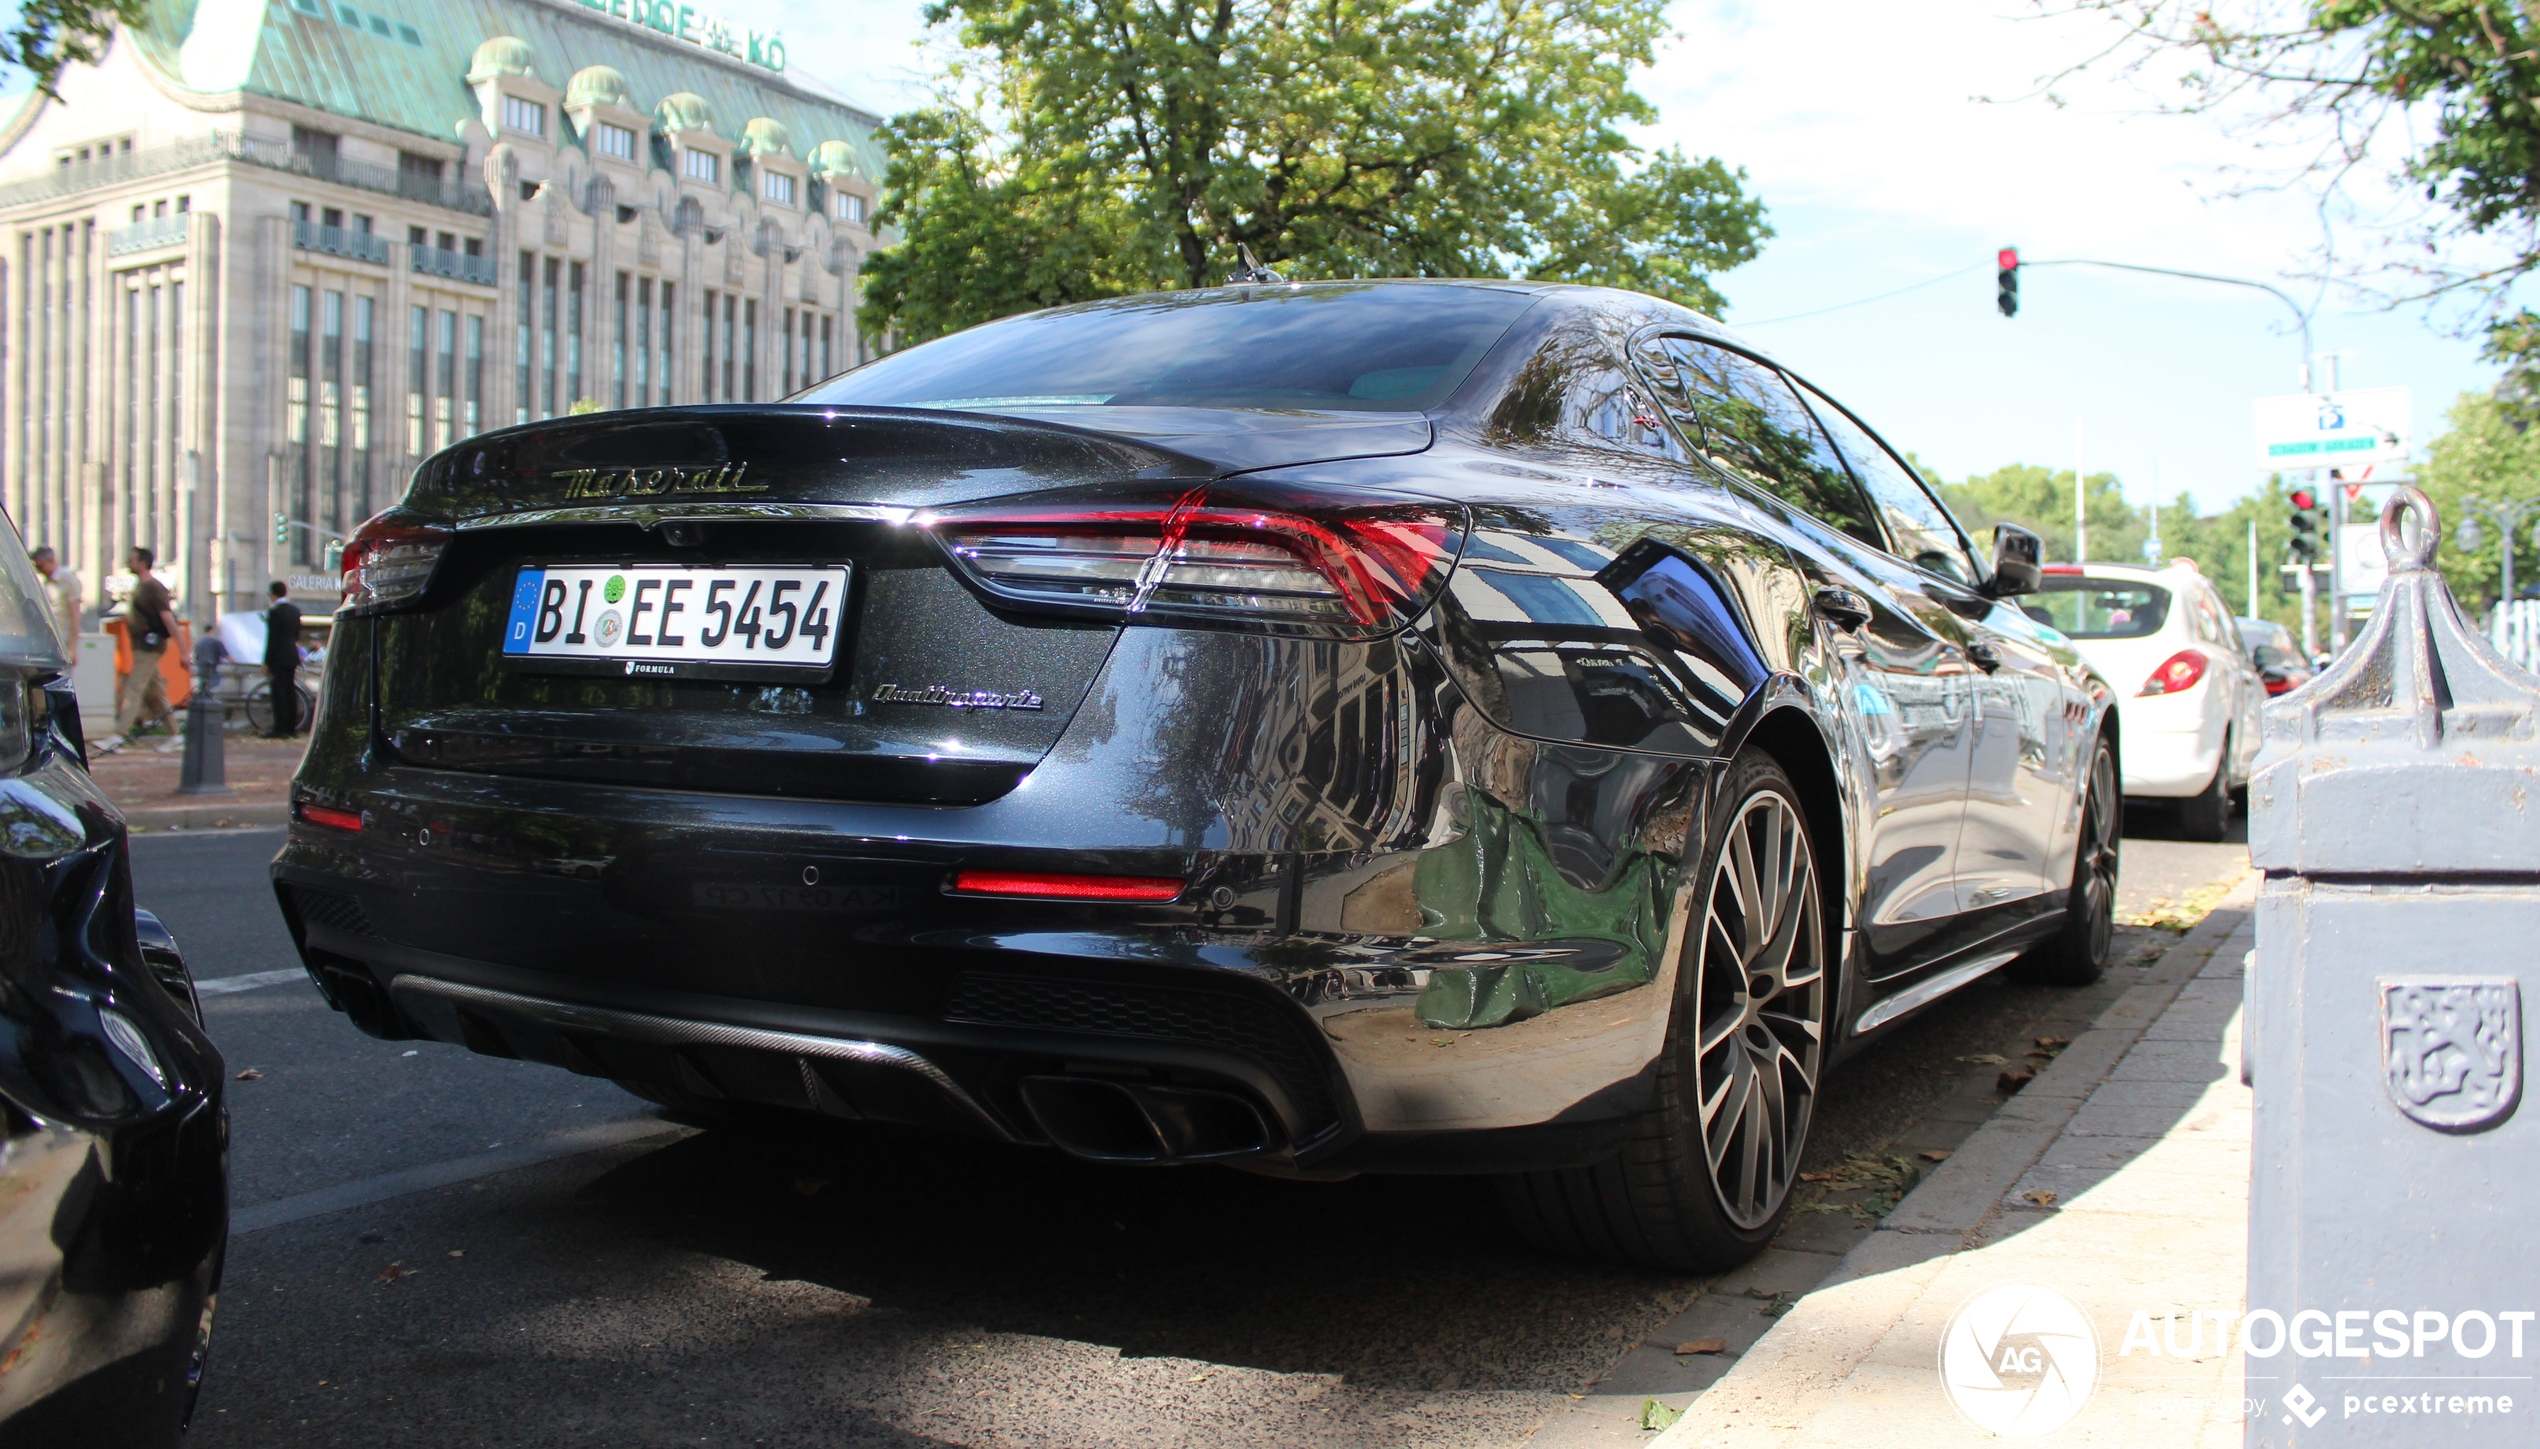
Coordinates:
[1860,124]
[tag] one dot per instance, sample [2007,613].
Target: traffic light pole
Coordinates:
[2310,615]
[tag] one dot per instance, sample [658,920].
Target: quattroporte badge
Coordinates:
[2451,1049]
[941,696]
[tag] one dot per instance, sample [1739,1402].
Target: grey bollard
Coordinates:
[2394,1271]
[206,768]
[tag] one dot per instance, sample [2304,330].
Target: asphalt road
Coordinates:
[431,1251]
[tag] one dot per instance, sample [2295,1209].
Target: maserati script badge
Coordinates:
[2451,1048]
[937,694]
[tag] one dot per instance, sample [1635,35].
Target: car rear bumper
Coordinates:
[1427,987]
[2171,765]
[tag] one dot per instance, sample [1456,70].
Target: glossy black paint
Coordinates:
[113,1176]
[1478,825]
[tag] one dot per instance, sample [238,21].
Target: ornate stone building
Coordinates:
[267,254]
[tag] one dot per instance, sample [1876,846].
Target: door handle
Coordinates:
[1843,608]
[1984,656]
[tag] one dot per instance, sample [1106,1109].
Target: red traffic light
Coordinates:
[2303,501]
[2008,259]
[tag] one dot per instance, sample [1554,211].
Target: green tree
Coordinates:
[2041,501]
[2490,453]
[1087,148]
[2447,86]
[51,34]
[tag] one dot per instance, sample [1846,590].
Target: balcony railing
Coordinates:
[193,151]
[457,266]
[336,241]
[147,236]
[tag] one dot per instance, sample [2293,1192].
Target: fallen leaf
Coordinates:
[1985,1059]
[2013,1081]
[1703,1345]
[250,1075]
[1933,1156]
[395,1271]
[1819,1176]
[2043,1197]
[458,1252]
[1655,1415]
[2052,1043]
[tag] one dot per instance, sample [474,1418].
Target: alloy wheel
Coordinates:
[2096,879]
[1761,1007]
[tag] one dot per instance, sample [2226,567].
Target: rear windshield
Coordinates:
[2086,608]
[1324,348]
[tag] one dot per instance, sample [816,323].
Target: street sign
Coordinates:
[2334,429]
[2361,566]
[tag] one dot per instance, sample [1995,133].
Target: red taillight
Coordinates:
[2178,672]
[2060,569]
[328,816]
[2282,684]
[1067,887]
[1212,554]
[390,560]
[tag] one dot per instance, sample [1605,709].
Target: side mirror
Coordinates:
[2016,554]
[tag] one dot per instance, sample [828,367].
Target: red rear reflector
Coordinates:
[1067,887]
[2178,672]
[2061,569]
[330,818]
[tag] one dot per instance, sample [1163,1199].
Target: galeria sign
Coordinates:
[2334,429]
[700,28]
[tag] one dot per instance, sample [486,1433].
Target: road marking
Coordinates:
[572,1142]
[223,985]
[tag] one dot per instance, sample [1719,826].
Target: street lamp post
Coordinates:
[2508,517]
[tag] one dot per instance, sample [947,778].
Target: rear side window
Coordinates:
[1746,420]
[2087,608]
[1326,348]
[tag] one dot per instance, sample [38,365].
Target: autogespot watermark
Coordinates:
[2021,1360]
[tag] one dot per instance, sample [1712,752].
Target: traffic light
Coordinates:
[282,528]
[2306,526]
[2006,281]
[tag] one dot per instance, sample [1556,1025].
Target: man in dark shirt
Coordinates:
[149,626]
[282,661]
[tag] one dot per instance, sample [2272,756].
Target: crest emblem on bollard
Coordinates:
[2451,1049]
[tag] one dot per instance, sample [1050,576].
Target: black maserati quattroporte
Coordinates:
[1395,727]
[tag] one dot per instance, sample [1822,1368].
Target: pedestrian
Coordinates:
[282,660]
[150,626]
[69,596]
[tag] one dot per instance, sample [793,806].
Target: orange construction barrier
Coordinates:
[174,676]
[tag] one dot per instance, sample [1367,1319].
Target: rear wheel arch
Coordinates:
[1796,743]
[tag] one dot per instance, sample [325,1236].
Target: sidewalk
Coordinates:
[141,779]
[2119,1177]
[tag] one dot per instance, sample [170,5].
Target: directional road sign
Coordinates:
[2334,429]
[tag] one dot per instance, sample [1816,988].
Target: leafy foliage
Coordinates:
[52,34]
[2451,83]
[2491,454]
[1088,148]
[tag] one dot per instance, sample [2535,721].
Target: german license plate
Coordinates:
[673,620]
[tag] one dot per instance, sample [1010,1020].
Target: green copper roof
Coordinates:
[407,68]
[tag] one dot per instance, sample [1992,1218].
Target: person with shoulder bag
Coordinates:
[150,626]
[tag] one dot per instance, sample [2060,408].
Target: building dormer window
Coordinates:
[700,165]
[779,187]
[527,117]
[851,207]
[617,141]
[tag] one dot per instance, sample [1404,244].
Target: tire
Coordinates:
[2079,950]
[1662,1201]
[2206,815]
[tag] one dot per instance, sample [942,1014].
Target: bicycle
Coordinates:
[259,704]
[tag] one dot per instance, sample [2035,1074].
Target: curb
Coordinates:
[211,815]
[1807,1352]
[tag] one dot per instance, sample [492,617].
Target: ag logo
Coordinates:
[2019,1360]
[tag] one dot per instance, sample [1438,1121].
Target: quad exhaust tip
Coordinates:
[1104,1121]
